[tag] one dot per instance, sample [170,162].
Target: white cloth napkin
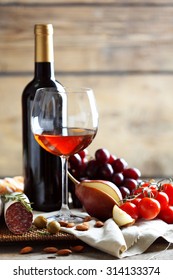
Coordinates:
[148,232]
[128,241]
[124,242]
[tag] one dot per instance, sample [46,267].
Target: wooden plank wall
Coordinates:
[122,49]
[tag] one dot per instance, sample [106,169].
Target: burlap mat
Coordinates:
[32,235]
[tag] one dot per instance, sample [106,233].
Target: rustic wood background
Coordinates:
[122,49]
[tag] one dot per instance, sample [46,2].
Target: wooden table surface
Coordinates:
[160,250]
[10,250]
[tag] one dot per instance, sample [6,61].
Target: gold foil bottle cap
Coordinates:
[43,43]
[43,29]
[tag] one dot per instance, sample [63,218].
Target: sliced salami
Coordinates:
[18,217]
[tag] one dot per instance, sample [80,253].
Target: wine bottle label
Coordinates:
[44,43]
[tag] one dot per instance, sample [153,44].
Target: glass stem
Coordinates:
[64,162]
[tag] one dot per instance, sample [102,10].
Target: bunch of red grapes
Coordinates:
[104,166]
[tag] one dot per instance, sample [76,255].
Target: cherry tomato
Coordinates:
[148,208]
[145,184]
[131,209]
[153,190]
[140,192]
[168,189]
[163,199]
[136,200]
[167,215]
[146,189]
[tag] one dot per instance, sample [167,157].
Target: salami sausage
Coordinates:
[18,216]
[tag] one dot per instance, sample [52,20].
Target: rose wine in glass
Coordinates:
[64,123]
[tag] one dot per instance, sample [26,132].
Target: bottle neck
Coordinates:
[44,55]
[44,70]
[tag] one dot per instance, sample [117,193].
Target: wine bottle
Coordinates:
[42,170]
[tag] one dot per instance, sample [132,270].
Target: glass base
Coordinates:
[68,218]
[65,215]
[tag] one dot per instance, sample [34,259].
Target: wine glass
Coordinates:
[64,123]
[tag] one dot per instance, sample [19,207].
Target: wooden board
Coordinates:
[90,2]
[123,49]
[90,38]
[136,124]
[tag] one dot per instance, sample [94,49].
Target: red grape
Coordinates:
[104,166]
[132,173]
[91,169]
[75,173]
[83,153]
[102,155]
[106,171]
[117,179]
[119,165]
[75,161]
[130,183]
[82,167]
[111,159]
[124,191]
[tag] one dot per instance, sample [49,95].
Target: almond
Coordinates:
[64,252]
[26,250]
[77,248]
[87,219]
[70,225]
[63,223]
[50,250]
[99,224]
[82,227]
